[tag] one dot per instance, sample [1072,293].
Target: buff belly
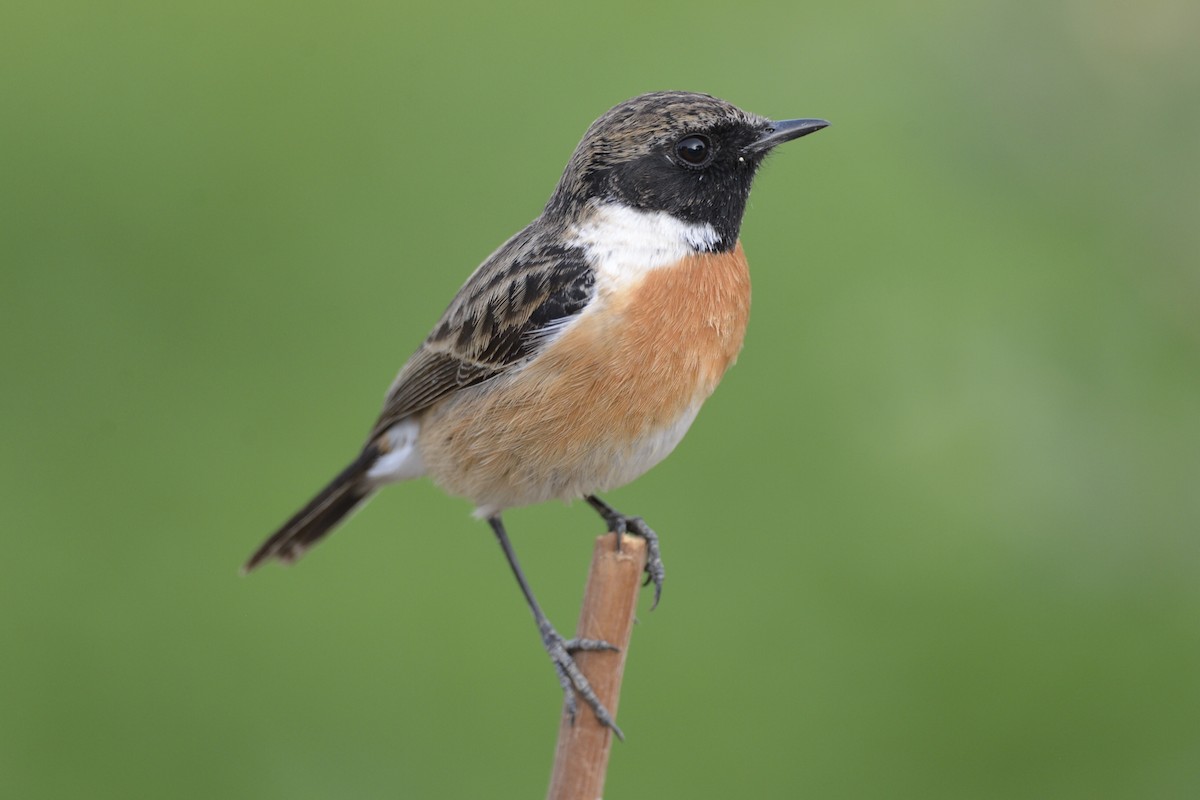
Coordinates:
[607,400]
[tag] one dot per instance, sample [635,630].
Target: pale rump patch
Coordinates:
[609,399]
[400,460]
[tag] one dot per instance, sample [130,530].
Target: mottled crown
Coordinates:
[637,126]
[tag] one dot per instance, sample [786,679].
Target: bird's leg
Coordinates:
[620,524]
[570,677]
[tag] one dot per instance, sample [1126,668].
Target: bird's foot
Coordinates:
[572,679]
[621,524]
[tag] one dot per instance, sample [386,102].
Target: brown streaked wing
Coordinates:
[428,377]
[492,325]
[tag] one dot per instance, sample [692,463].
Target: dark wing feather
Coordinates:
[529,286]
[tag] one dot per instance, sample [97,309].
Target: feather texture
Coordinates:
[518,300]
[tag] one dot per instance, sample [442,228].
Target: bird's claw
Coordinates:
[655,572]
[636,526]
[572,679]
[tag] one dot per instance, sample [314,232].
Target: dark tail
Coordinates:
[321,515]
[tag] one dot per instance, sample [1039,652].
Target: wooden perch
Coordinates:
[609,604]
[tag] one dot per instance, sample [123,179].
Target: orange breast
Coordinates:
[658,347]
[636,364]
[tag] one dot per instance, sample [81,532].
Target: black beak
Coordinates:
[784,131]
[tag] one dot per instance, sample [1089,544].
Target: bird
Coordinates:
[577,355]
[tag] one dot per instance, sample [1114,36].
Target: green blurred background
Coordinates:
[935,536]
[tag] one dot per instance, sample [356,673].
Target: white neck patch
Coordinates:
[623,244]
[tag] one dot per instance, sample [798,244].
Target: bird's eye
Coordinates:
[694,150]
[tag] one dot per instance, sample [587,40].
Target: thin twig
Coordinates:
[609,603]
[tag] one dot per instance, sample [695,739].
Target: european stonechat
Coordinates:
[577,355]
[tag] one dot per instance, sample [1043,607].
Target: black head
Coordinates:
[690,155]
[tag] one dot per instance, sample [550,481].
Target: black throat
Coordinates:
[716,196]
